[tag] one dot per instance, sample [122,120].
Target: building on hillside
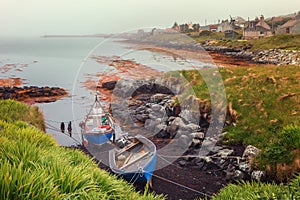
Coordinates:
[175,27]
[239,22]
[225,26]
[291,26]
[196,27]
[213,28]
[257,29]
[183,28]
[230,34]
[204,28]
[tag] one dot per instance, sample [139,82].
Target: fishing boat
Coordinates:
[136,161]
[98,126]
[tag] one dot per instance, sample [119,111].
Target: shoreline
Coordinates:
[197,52]
[223,56]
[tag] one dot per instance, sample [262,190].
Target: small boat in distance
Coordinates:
[98,126]
[136,161]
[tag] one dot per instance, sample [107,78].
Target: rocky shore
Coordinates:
[182,137]
[238,56]
[272,56]
[32,94]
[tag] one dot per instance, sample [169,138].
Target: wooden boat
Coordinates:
[98,126]
[136,161]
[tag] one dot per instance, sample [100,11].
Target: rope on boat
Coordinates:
[136,176]
[183,186]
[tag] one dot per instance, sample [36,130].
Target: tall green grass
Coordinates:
[33,166]
[11,110]
[258,190]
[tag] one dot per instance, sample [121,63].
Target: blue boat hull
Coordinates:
[140,168]
[143,176]
[98,138]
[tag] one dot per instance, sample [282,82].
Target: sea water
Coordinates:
[66,62]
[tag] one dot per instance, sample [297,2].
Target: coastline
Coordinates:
[219,55]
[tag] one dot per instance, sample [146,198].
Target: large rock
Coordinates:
[110,85]
[235,175]
[189,117]
[198,135]
[174,126]
[250,153]
[142,117]
[224,153]
[156,98]
[190,127]
[184,141]
[258,175]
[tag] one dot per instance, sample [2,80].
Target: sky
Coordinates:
[40,17]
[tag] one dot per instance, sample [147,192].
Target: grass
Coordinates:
[33,166]
[13,111]
[284,41]
[267,102]
[258,190]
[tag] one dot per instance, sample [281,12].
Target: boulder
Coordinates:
[235,175]
[184,141]
[198,135]
[224,153]
[258,175]
[196,142]
[174,126]
[189,117]
[142,117]
[250,153]
[182,163]
[190,127]
[156,107]
[159,97]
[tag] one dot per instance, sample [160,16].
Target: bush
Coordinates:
[281,150]
[290,137]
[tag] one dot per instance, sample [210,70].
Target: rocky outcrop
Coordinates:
[156,113]
[277,57]
[187,124]
[272,56]
[34,93]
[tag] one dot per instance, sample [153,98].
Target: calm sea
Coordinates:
[65,62]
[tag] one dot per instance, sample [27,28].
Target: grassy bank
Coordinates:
[32,166]
[284,41]
[257,190]
[267,102]
[11,111]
